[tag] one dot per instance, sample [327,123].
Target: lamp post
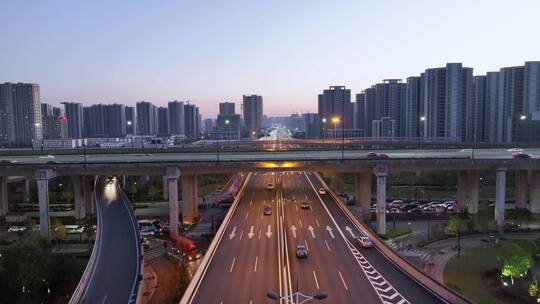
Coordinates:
[296,297]
[129,124]
[227,122]
[323,128]
[422,121]
[335,121]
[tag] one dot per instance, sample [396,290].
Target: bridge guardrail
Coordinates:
[82,286]
[199,274]
[410,270]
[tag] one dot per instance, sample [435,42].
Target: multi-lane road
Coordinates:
[114,277]
[257,252]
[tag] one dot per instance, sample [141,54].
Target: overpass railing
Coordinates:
[82,286]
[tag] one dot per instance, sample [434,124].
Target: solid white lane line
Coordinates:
[104,299]
[241,234]
[327,245]
[315,277]
[307,247]
[343,281]
[317,222]
[232,265]
[256,261]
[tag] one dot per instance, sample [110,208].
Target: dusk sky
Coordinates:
[287,51]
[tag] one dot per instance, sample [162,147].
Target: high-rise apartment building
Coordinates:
[192,121]
[74,119]
[52,118]
[176,118]
[311,125]
[359,114]
[335,109]
[476,117]
[163,121]
[227,108]
[253,113]
[115,120]
[20,114]
[146,118]
[414,116]
[131,120]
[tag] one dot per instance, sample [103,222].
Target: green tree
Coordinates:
[29,263]
[67,194]
[59,230]
[527,245]
[453,229]
[152,191]
[133,190]
[515,261]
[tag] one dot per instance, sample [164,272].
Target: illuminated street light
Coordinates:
[335,120]
[324,120]
[422,118]
[129,122]
[523,117]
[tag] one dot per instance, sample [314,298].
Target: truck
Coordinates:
[186,247]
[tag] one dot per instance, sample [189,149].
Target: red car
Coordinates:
[383,156]
[521,155]
[372,155]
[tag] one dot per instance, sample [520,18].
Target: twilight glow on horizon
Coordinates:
[287,51]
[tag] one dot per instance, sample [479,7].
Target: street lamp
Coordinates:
[335,121]
[228,132]
[324,124]
[296,297]
[523,117]
[422,120]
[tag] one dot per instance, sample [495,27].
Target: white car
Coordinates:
[322,191]
[270,186]
[16,229]
[365,242]
[73,229]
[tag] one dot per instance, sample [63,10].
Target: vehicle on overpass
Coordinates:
[185,247]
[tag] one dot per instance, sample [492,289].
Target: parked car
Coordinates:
[301,251]
[510,226]
[16,229]
[365,242]
[147,227]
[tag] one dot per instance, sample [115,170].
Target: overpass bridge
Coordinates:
[185,166]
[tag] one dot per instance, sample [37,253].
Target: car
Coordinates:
[148,154]
[110,179]
[322,191]
[35,228]
[521,155]
[267,210]
[16,229]
[7,162]
[383,156]
[372,155]
[270,186]
[365,242]
[515,150]
[301,251]
[510,226]
[304,205]
[73,229]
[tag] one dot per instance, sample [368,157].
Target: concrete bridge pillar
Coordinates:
[363,193]
[78,195]
[88,194]
[42,177]
[381,171]
[3,196]
[189,199]
[462,187]
[26,193]
[521,189]
[534,203]
[172,183]
[165,188]
[473,191]
[500,188]
[123,182]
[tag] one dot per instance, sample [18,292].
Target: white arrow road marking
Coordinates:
[251,234]
[311,229]
[329,229]
[268,232]
[233,233]
[349,229]
[293,228]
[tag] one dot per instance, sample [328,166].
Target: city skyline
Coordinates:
[179,65]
